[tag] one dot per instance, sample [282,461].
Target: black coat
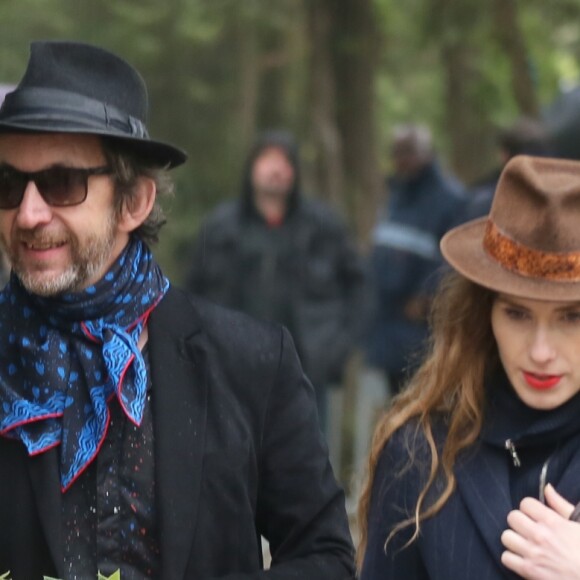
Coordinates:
[238,453]
[463,539]
[305,274]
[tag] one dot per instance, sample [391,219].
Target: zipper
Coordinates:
[509,445]
[543,480]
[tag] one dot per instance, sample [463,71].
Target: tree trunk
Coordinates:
[510,38]
[249,82]
[466,128]
[469,129]
[325,132]
[356,39]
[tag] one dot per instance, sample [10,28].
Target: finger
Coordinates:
[560,505]
[514,543]
[513,562]
[521,523]
[537,511]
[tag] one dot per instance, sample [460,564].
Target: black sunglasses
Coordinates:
[59,186]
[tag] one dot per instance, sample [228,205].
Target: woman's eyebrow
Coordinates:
[511,302]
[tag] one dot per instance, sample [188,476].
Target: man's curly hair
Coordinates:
[127,167]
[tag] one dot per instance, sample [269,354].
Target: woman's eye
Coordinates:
[573,317]
[516,314]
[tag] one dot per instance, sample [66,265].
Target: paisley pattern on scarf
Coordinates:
[63,358]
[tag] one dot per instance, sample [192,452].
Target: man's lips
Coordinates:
[37,253]
[39,247]
[41,243]
[541,381]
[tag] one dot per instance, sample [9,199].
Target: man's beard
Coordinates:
[87,258]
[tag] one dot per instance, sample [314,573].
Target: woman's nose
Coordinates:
[542,346]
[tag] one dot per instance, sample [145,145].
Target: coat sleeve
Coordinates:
[394,494]
[356,298]
[301,509]
[200,255]
[211,271]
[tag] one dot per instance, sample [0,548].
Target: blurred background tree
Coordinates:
[339,73]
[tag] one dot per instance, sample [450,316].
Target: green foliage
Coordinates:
[204,59]
[114,576]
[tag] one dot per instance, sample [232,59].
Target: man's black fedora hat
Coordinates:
[72,87]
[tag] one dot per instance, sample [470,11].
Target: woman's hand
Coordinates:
[541,542]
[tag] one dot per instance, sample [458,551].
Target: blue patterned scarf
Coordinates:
[63,358]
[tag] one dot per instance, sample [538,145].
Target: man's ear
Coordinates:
[137,208]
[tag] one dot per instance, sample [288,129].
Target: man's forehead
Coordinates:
[44,148]
[273,150]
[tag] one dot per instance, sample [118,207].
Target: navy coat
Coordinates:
[406,261]
[238,453]
[463,539]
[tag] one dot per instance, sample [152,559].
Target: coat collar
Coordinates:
[482,477]
[483,472]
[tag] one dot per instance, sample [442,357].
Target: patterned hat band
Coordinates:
[525,261]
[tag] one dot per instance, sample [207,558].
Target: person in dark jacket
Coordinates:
[281,256]
[142,429]
[527,136]
[474,470]
[423,203]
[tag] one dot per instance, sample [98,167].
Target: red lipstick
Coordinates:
[541,382]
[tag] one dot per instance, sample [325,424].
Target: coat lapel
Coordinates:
[483,482]
[44,474]
[179,406]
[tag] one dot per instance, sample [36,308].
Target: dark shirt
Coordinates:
[109,514]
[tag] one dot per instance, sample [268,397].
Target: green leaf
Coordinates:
[114,576]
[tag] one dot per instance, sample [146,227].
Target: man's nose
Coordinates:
[33,210]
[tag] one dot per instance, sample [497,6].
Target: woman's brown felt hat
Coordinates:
[529,244]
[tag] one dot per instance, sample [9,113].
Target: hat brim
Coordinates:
[156,152]
[463,248]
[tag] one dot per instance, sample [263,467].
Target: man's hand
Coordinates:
[541,542]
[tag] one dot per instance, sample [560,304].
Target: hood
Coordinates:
[271,138]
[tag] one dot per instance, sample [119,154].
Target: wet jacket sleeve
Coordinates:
[301,510]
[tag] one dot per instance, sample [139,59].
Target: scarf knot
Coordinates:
[62,359]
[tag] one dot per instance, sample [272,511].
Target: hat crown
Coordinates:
[529,245]
[537,203]
[73,87]
[89,71]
